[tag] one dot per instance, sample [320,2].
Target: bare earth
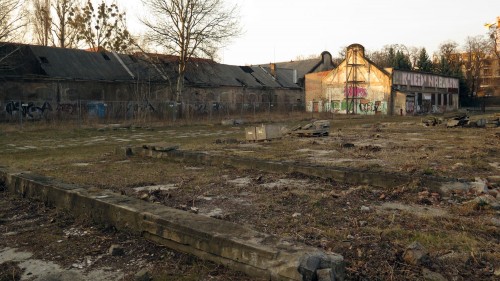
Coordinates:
[457,225]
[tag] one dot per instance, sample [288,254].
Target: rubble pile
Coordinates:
[457,120]
[431,121]
[318,128]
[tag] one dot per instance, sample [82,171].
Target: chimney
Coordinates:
[272,67]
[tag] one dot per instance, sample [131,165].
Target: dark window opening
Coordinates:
[105,56]
[445,99]
[44,60]
[419,98]
[247,69]
[439,99]
[433,99]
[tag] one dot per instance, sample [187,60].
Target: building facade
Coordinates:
[358,86]
[67,79]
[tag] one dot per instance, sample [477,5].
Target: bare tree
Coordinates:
[476,51]
[448,62]
[101,27]
[40,18]
[64,35]
[11,19]
[494,34]
[191,28]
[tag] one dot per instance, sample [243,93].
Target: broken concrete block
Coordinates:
[116,250]
[481,123]
[325,274]
[479,186]
[432,276]
[142,275]
[416,254]
[452,123]
[310,263]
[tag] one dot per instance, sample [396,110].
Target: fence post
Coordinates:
[21,114]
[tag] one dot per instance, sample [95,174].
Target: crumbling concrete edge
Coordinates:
[348,176]
[237,247]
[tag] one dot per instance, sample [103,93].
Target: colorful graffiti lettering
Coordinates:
[356,92]
[364,106]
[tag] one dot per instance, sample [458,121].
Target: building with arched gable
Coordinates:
[359,86]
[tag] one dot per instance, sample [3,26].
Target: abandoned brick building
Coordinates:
[62,78]
[358,86]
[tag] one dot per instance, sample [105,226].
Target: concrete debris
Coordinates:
[363,223]
[432,121]
[264,132]
[163,147]
[232,122]
[365,209]
[457,120]
[116,250]
[319,128]
[432,276]
[486,200]
[194,210]
[416,254]
[313,263]
[142,275]
[325,274]
[479,186]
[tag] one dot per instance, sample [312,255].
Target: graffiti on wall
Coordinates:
[363,106]
[423,80]
[29,110]
[356,92]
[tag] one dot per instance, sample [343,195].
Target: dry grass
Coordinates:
[317,212]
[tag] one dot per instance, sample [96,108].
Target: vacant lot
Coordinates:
[458,224]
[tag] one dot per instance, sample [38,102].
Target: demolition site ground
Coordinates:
[454,224]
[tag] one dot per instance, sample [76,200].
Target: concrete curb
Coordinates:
[235,246]
[348,176]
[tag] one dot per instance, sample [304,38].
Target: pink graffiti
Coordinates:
[356,92]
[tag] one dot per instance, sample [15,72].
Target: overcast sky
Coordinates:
[281,30]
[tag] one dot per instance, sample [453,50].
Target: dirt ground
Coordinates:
[42,243]
[456,226]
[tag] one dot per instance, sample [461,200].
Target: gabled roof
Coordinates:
[213,74]
[303,67]
[322,63]
[72,64]
[79,64]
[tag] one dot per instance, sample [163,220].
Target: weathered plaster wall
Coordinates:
[371,97]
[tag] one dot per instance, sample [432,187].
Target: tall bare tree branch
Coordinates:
[191,28]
